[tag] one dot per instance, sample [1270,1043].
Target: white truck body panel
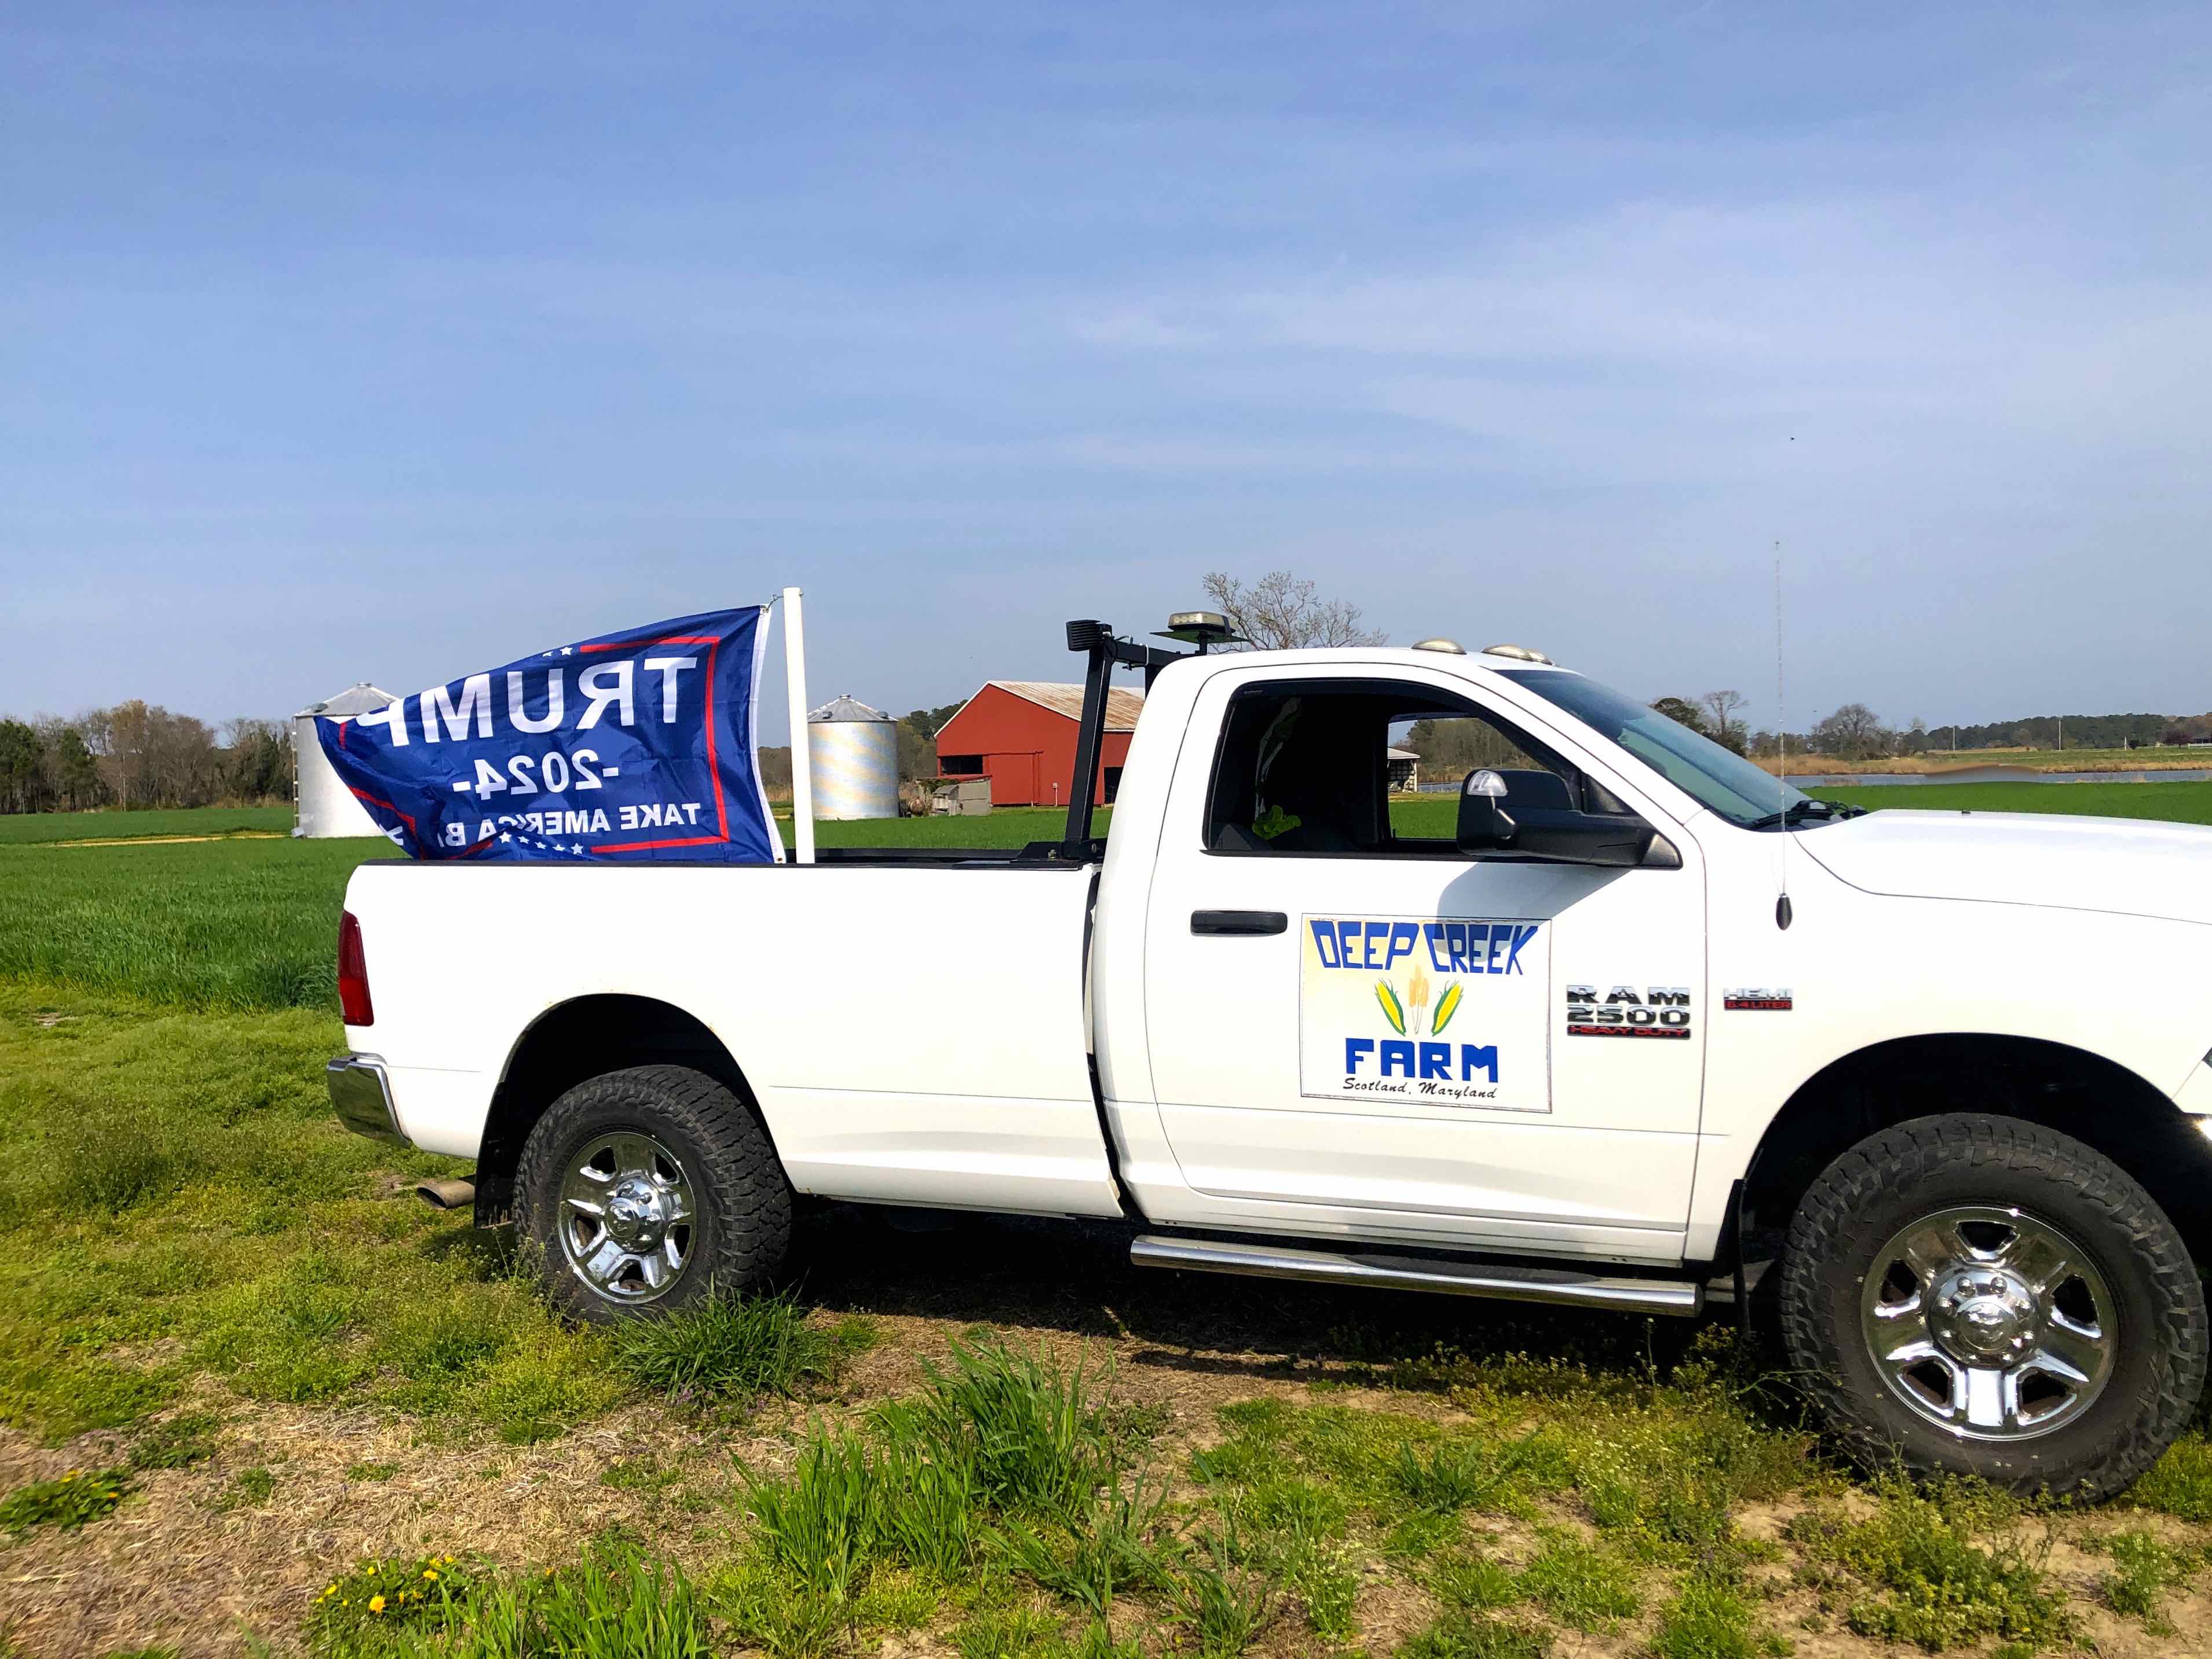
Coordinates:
[2119,866]
[912,1034]
[925,1034]
[1592,1146]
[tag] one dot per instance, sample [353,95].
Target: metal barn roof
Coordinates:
[1122,705]
[839,710]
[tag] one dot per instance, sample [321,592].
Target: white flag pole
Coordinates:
[794,680]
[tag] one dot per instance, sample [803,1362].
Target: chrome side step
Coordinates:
[1508,1282]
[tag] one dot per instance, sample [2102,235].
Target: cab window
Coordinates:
[1366,768]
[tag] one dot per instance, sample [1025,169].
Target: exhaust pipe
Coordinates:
[447,1195]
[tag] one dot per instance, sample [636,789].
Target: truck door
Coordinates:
[1356,1030]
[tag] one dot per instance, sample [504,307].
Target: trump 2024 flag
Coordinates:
[637,746]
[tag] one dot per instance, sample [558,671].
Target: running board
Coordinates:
[1509,1281]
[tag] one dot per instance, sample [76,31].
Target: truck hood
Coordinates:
[2125,866]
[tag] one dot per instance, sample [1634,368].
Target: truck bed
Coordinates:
[910,1036]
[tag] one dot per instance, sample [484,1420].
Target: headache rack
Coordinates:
[1199,628]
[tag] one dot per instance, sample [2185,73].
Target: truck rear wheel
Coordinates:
[645,1191]
[1984,1296]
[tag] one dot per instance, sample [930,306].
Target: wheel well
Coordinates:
[581,1039]
[2102,1104]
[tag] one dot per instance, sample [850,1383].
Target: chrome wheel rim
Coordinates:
[1989,1323]
[627,1217]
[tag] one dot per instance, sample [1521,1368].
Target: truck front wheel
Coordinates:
[648,1190]
[1980,1295]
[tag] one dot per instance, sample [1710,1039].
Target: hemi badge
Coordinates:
[1757,1002]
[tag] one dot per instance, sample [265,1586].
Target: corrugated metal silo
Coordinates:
[323,805]
[854,751]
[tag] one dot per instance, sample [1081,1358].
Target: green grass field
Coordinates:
[274,1371]
[249,923]
[209,924]
[2179,803]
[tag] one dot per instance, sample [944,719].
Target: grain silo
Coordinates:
[322,805]
[854,750]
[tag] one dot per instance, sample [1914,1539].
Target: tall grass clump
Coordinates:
[1027,1427]
[1089,1556]
[1002,1463]
[729,1346]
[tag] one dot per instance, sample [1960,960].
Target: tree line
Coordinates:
[140,755]
[1855,732]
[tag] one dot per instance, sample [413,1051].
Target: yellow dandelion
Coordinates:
[431,1573]
[376,1604]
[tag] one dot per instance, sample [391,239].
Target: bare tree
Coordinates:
[1279,612]
[1853,732]
[1682,712]
[1721,724]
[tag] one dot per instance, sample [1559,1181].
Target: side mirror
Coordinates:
[1543,826]
[1484,826]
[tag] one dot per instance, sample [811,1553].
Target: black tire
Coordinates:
[737,1228]
[1890,1185]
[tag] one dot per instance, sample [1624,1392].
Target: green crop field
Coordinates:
[2181,803]
[255,1397]
[215,924]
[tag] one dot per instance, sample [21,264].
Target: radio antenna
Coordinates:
[1781,707]
[1782,907]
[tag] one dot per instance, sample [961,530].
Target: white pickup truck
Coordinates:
[1620,1022]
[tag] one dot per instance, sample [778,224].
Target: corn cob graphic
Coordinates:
[1393,1009]
[1447,1006]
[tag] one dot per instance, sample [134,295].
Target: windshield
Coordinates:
[1727,783]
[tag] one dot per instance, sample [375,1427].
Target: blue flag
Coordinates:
[637,746]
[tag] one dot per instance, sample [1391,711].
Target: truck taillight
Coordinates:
[353,974]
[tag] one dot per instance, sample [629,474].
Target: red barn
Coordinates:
[1020,734]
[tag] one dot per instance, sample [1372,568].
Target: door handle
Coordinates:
[1216,923]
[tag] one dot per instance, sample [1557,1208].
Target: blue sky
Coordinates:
[393,342]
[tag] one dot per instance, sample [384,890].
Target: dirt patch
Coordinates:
[196,1556]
